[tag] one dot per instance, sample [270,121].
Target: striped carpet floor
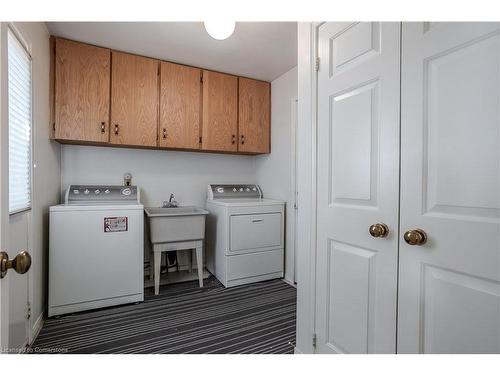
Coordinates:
[254,318]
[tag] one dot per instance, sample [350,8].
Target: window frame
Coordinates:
[12,29]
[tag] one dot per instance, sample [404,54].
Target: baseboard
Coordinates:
[291,283]
[21,349]
[37,327]
[297,351]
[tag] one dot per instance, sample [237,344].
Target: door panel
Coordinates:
[357,186]
[180,106]
[134,100]
[350,321]
[449,294]
[353,46]
[354,142]
[82,74]
[220,112]
[18,285]
[253,116]
[456,308]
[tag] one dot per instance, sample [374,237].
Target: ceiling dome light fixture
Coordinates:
[220,30]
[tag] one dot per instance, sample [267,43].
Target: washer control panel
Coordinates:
[229,191]
[101,193]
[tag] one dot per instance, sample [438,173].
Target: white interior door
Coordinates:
[449,293]
[357,186]
[14,229]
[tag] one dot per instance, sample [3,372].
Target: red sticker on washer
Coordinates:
[115,224]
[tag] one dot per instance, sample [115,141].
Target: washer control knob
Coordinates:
[220,190]
[234,189]
[106,191]
[86,191]
[248,189]
[241,189]
[76,191]
[126,191]
[97,191]
[254,189]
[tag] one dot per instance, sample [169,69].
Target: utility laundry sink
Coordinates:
[173,224]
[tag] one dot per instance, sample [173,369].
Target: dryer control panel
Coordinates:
[230,191]
[82,194]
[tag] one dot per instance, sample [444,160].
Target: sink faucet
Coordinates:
[171,202]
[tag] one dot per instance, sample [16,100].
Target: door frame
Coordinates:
[307,35]
[4,185]
[292,246]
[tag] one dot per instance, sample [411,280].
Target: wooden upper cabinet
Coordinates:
[100,96]
[81,92]
[220,112]
[254,116]
[134,100]
[180,106]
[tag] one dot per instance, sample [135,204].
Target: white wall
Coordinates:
[274,171]
[158,173]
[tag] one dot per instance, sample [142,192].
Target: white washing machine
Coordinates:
[96,249]
[245,235]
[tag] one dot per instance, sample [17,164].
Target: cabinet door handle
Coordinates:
[117,129]
[242,139]
[257,220]
[103,127]
[234,139]
[164,133]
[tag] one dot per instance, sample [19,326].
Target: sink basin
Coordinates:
[174,211]
[173,224]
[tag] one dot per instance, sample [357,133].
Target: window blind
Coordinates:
[19,96]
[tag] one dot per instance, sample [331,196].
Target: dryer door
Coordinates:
[255,232]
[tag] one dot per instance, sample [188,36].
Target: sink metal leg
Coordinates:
[151,265]
[191,256]
[199,264]
[157,260]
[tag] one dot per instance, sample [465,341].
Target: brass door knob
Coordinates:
[21,263]
[415,237]
[379,230]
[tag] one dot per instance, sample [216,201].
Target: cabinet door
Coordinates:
[134,100]
[81,92]
[220,112]
[180,106]
[253,116]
